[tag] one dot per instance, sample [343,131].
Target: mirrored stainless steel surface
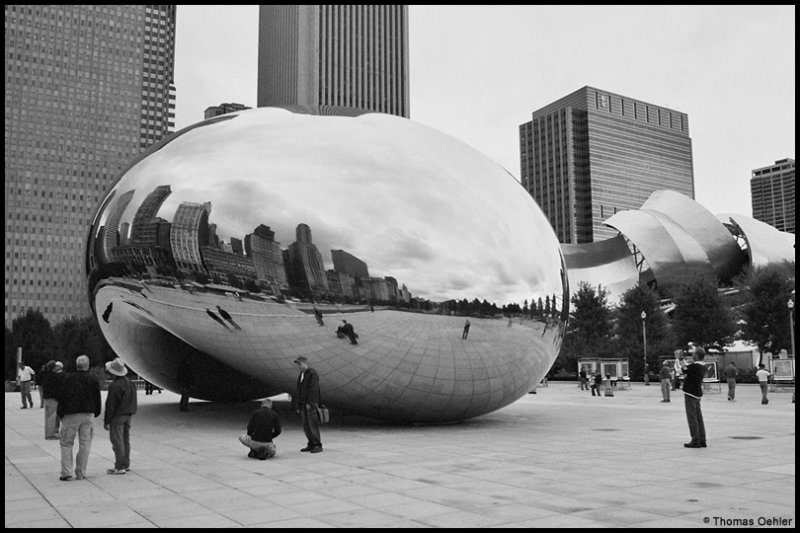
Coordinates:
[245,241]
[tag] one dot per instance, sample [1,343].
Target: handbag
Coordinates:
[323,414]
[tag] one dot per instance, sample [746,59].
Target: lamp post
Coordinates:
[644,343]
[790,305]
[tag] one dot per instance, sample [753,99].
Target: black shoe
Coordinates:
[693,445]
[316,450]
[261,455]
[703,445]
[307,449]
[65,478]
[252,454]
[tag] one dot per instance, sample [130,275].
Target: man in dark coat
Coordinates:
[78,399]
[692,392]
[264,426]
[307,400]
[121,405]
[347,329]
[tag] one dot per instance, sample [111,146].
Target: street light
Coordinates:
[790,305]
[644,342]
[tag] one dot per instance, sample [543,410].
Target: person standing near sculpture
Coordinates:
[692,392]
[466,330]
[763,381]
[185,382]
[79,403]
[121,405]
[308,398]
[51,383]
[584,379]
[25,375]
[665,375]
[731,373]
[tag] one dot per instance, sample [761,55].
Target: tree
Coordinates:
[766,315]
[76,336]
[701,314]
[629,334]
[33,333]
[590,326]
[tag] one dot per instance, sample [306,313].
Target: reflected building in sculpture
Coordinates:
[594,153]
[242,331]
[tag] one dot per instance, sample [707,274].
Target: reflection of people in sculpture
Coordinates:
[347,329]
[318,316]
[466,330]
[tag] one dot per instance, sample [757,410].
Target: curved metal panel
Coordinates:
[670,251]
[720,247]
[608,263]
[766,244]
[244,242]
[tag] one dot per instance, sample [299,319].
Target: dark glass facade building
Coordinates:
[772,190]
[594,153]
[88,87]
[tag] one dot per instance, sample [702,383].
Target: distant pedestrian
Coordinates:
[466,330]
[25,375]
[763,381]
[78,404]
[51,383]
[692,392]
[121,405]
[665,375]
[185,382]
[263,427]
[318,316]
[598,382]
[584,379]
[307,400]
[731,373]
[37,379]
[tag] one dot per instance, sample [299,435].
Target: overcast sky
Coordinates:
[478,72]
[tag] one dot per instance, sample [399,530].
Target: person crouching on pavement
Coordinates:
[264,426]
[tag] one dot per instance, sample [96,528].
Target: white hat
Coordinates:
[116,367]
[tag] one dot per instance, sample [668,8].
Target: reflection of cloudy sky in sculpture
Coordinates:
[411,202]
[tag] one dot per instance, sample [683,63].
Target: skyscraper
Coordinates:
[772,191]
[594,153]
[88,87]
[348,56]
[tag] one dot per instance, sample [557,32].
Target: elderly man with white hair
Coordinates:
[78,404]
[264,426]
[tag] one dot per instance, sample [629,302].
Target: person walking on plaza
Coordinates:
[731,373]
[466,330]
[264,426]
[25,375]
[665,375]
[692,392]
[78,400]
[307,399]
[121,404]
[584,379]
[598,382]
[51,383]
[763,381]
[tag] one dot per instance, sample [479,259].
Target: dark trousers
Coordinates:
[694,416]
[310,422]
[184,405]
[120,435]
[764,387]
[732,388]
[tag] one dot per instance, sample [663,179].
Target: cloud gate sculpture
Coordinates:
[246,240]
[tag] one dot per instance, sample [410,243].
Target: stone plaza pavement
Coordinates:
[557,458]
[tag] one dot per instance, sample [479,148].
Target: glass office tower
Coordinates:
[594,153]
[88,87]
[350,56]
[772,191]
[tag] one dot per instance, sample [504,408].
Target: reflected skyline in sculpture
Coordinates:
[246,227]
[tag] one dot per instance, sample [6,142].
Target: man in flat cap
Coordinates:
[307,400]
